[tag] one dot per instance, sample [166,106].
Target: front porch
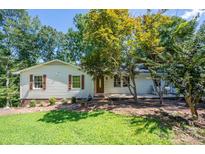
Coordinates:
[105,88]
[129,96]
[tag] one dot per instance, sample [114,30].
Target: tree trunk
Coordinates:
[194,111]
[192,105]
[160,98]
[158,90]
[132,87]
[7,86]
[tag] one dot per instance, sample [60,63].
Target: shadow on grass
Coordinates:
[61,116]
[161,123]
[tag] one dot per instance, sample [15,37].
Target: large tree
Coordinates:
[48,42]
[186,69]
[20,32]
[26,41]
[73,47]
[155,37]
[17,50]
[9,87]
[102,44]
[149,47]
[129,63]
[102,38]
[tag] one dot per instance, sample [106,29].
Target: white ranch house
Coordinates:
[63,80]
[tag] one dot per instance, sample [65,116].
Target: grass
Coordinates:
[99,127]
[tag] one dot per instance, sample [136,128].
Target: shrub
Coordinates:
[41,103]
[73,100]
[52,101]
[32,103]
[15,102]
[84,103]
[2,102]
[65,101]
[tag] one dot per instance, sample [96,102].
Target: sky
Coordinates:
[61,19]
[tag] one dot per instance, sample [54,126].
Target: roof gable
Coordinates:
[52,62]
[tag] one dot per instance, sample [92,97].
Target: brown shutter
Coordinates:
[82,80]
[31,82]
[44,82]
[69,82]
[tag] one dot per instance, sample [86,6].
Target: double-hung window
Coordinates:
[126,81]
[38,82]
[76,81]
[117,81]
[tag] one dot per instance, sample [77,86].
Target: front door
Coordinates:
[100,85]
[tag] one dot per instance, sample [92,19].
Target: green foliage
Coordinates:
[52,101]
[65,101]
[103,30]
[18,50]
[148,33]
[176,31]
[2,102]
[23,42]
[32,103]
[73,100]
[9,87]
[48,41]
[99,127]
[104,42]
[155,36]
[187,68]
[73,41]
[20,36]
[144,46]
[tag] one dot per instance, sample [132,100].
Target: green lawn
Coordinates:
[63,127]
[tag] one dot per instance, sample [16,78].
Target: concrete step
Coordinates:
[98,96]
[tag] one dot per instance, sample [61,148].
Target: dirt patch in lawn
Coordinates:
[22,110]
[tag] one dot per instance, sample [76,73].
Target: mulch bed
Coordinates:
[125,107]
[173,113]
[148,107]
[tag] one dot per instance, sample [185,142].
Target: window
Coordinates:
[38,82]
[126,81]
[157,82]
[117,81]
[76,82]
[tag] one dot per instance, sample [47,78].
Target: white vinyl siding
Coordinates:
[56,83]
[143,82]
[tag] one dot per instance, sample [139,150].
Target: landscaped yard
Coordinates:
[96,127]
[103,122]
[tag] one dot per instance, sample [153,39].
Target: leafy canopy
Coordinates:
[103,33]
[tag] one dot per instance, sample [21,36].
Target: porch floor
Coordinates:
[141,96]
